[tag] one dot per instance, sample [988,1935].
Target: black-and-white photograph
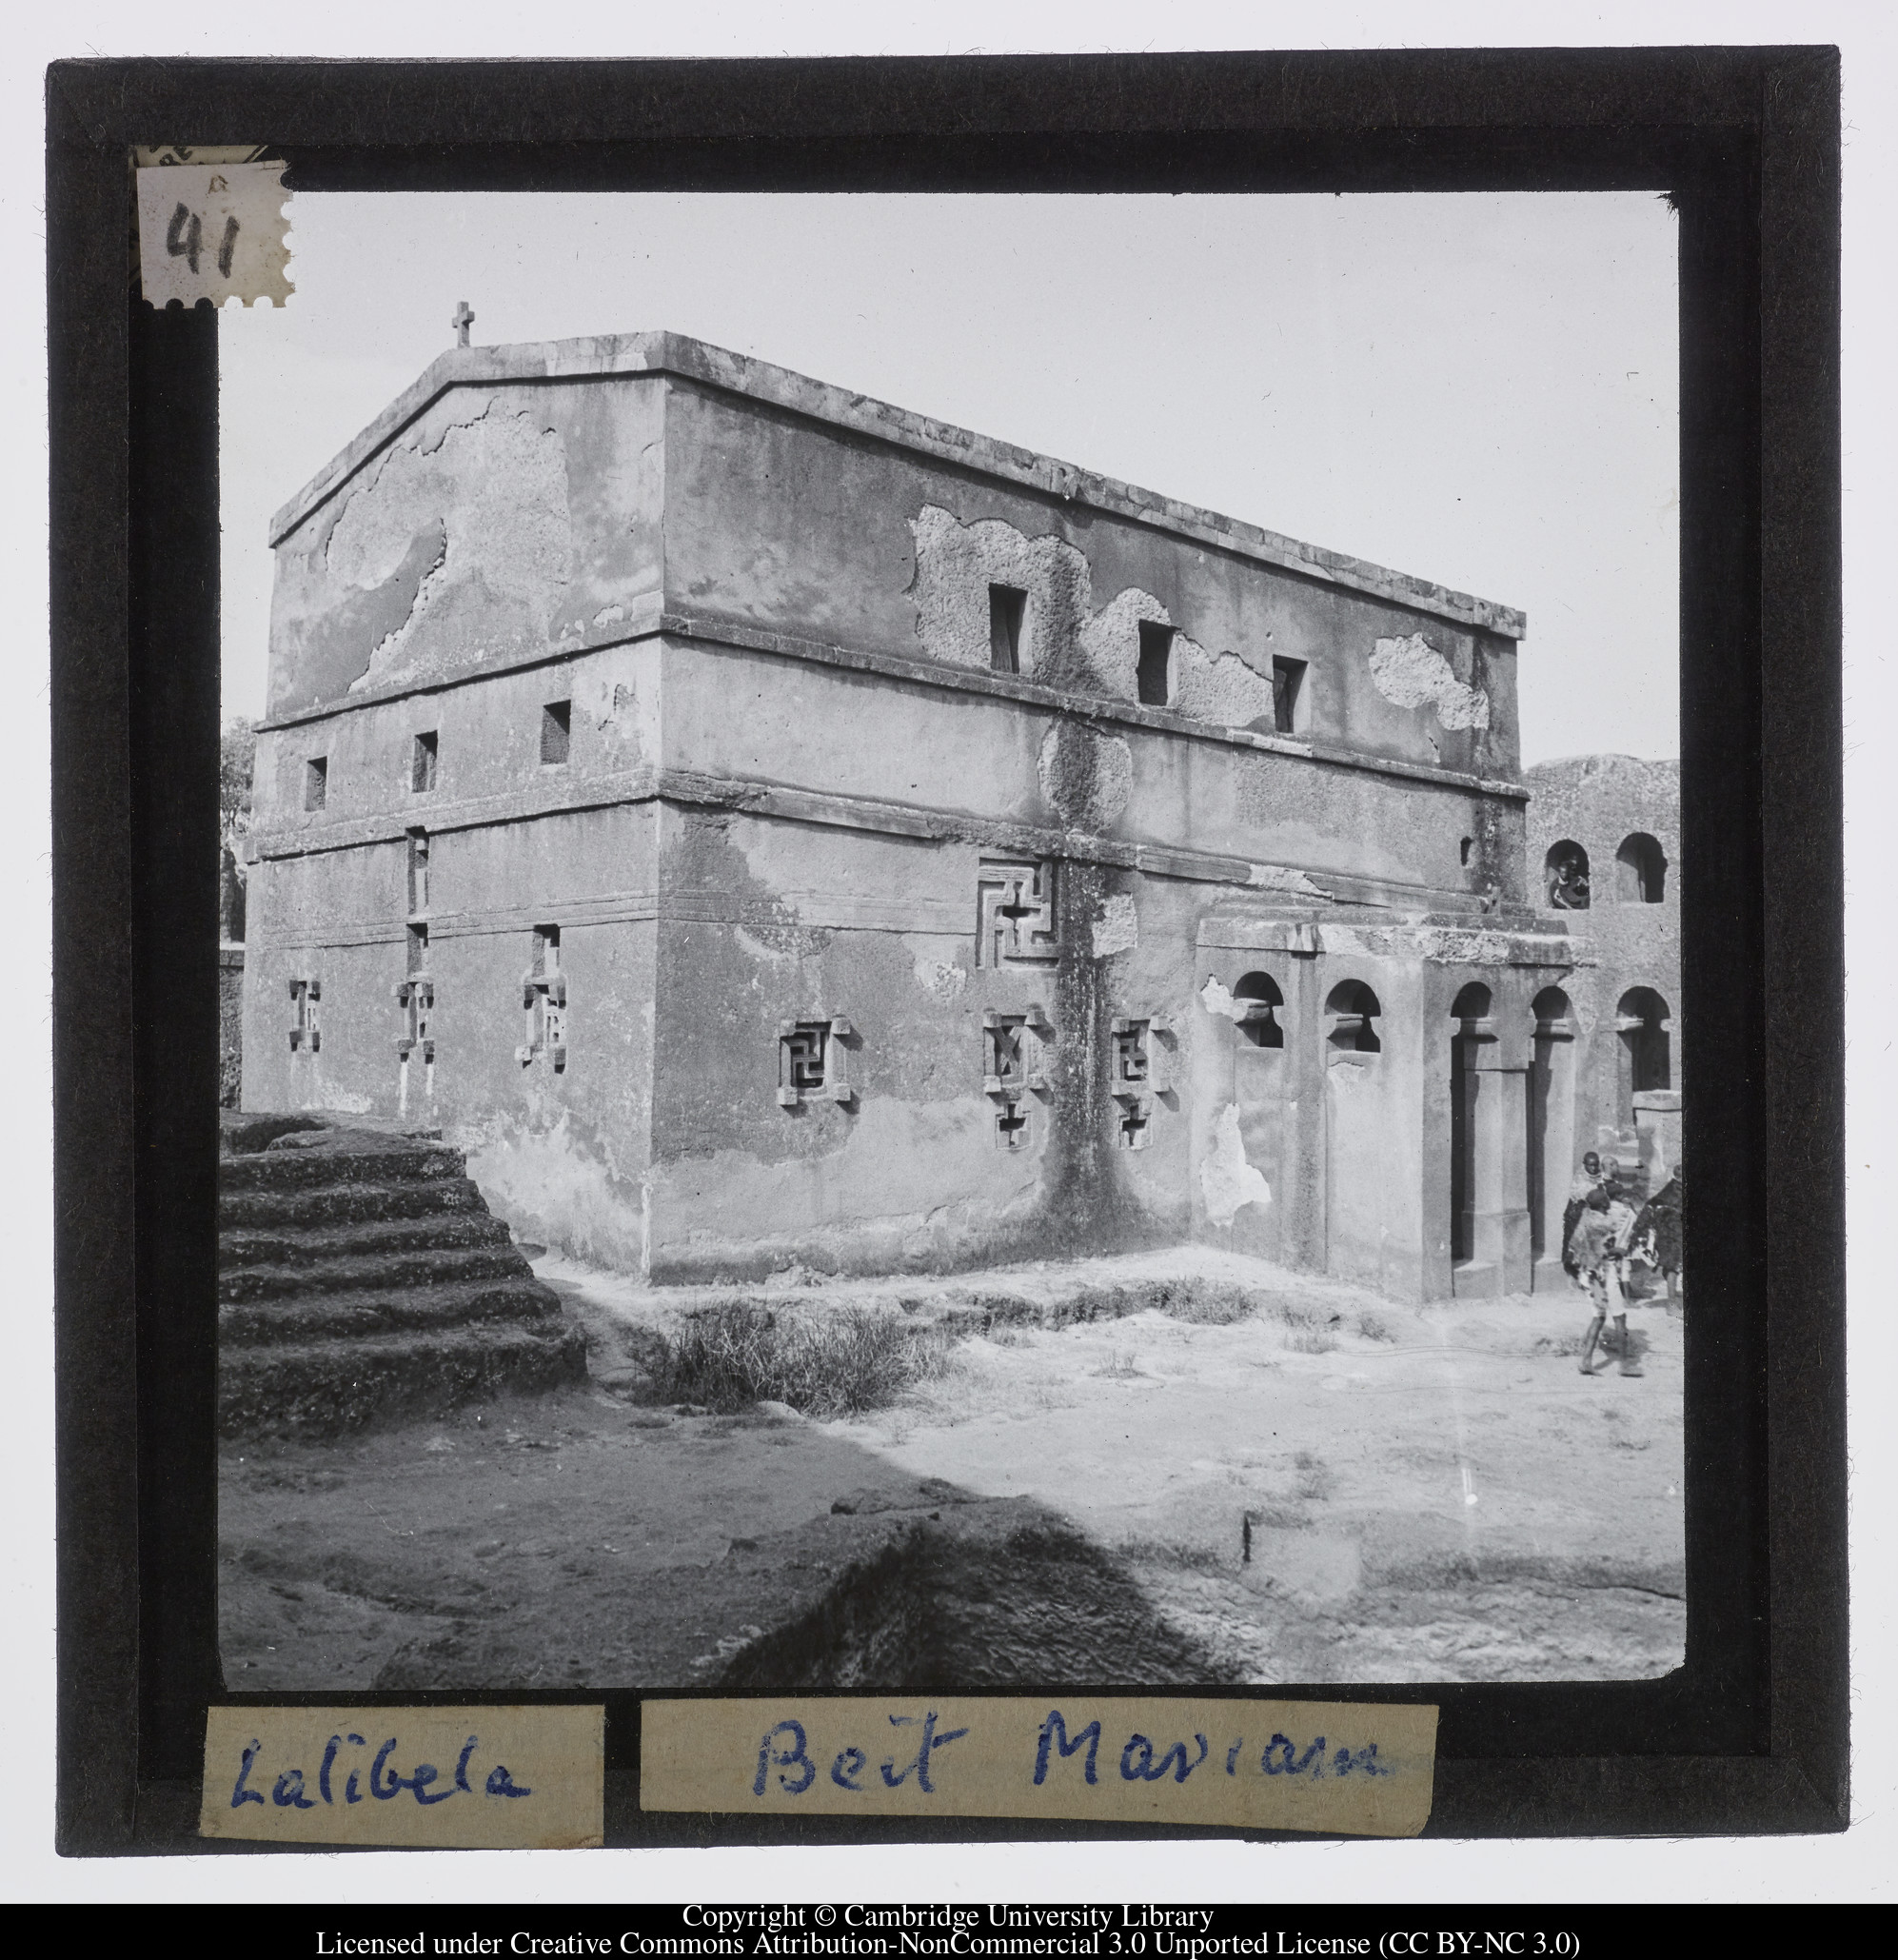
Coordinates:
[950,944]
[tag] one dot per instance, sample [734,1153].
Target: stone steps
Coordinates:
[311,1315]
[313,1245]
[326,1387]
[368,1274]
[277,1169]
[361,1278]
[341,1204]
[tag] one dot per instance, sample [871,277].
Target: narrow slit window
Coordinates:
[1288,690]
[1155,676]
[316,782]
[556,731]
[421,763]
[1008,610]
[418,873]
[544,994]
[418,949]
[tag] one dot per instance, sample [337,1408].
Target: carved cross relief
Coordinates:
[1015,914]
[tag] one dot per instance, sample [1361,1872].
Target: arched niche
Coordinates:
[1259,1025]
[1640,870]
[1353,1011]
[1565,876]
[1642,1020]
[1473,1002]
[1472,1034]
[1551,1132]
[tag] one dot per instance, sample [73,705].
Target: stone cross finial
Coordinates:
[463,319]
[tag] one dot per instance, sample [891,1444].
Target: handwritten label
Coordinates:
[213,231]
[1339,1767]
[485,1779]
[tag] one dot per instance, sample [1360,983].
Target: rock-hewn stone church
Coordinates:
[763,826]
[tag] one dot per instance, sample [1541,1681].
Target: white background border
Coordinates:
[1858,1865]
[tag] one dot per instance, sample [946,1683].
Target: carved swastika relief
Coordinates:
[813,1062]
[1015,914]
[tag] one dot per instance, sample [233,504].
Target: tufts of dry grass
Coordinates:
[833,1361]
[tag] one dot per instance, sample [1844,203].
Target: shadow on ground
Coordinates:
[571,1540]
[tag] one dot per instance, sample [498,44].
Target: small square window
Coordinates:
[422,766]
[1008,608]
[556,731]
[1156,670]
[1288,685]
[316,782]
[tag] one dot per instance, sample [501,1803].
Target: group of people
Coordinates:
[1604,1237]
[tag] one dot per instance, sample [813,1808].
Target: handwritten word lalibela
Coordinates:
[341,1766]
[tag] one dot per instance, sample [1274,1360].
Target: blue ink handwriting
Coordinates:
[386,1782]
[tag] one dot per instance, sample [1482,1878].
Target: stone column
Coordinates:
[1499,1262]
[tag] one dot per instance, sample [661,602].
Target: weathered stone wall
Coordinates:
[797,791]
[1600,803]
[230,1025]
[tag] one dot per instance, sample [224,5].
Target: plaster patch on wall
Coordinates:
[1065,643]
[495,488]
[1453,947]
[956,564]
[1225,1177]
[1222,687]
[943,979]
[1285,878]
[609,615]
[758,949]
[1110,641]
[1117,926]
[1412,674]
[1086,776]
[1342,939]
[553,1188]
[615,701]
[1215,999]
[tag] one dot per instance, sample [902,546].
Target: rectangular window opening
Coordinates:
[1288,681]
[1008,608]
[556,731]
[418,948]
[1155,675]
[546,949]
[418,872]
[422,767]
[316,782]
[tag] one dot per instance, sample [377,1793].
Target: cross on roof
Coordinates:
[463,319]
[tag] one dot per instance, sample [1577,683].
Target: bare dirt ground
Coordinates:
[1326,1488]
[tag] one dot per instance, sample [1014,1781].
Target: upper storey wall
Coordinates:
[819,531]
[504,523]
[523,502]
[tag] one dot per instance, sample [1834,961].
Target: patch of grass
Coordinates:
[832,1362]
[1375,1327]
[1313,1343]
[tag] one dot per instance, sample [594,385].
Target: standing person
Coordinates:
[1601,1242]
[1659,1226]
[1590,1180]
